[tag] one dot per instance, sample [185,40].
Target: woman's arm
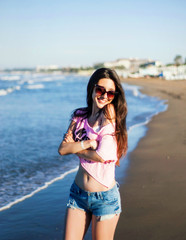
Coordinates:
[75,147]
[68,146]
[90,155]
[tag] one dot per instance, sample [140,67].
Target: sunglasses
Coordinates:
[100,91]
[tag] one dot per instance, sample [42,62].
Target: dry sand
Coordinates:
[154,193]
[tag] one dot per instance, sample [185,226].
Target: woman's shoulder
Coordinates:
[79,113]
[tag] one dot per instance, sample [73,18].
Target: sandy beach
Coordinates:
[154,196]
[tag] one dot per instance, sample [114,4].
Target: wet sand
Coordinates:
[154,192]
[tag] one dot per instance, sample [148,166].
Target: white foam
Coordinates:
[149,118]
[38,189]
[135,92]
[36,86]
[50,78]
[164,108]
[30,81]
[17,88]
[10,78]
[134,89]
[4,92]
[139,124]
[47,79]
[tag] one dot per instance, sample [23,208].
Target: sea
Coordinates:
[35,111]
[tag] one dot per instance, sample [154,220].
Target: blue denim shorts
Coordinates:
[104,204]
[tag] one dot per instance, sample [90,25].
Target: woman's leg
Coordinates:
[104,229]
[77,223]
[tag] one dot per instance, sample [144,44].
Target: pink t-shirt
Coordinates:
[107,150]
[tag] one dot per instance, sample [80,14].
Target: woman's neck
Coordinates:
[95,111]
[94,116]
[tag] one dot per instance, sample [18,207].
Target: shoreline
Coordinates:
[153,197]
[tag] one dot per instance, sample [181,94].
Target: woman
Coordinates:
[97,135]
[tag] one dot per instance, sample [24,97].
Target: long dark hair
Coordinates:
[119,103]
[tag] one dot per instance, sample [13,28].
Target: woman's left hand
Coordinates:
[68,138]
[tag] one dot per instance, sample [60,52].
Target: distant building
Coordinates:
[131,64]
[173,72]
[120,62]
[151,70]
[46,68]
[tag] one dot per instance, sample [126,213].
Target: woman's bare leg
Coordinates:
[77,223]
[104,229]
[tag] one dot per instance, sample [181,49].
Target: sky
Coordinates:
[82,32]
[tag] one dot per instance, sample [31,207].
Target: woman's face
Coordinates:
[99,96]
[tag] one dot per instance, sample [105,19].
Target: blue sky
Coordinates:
[79,32]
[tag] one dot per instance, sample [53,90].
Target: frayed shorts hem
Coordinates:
[104,205]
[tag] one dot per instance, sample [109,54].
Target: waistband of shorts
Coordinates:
[101,193]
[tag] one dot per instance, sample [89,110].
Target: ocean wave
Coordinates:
[53,78]
[10,78]
[161,107]
[46,185]
[35,86]
[4,92]
[48,79]
[45,78]
[30,81]
[134,89]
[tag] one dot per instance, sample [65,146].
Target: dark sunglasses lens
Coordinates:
[99,90]
[110,94]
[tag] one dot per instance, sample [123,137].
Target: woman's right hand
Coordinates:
[93,144]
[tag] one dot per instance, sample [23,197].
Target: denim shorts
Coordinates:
[104,204]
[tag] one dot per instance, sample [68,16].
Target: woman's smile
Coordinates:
[100,101]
